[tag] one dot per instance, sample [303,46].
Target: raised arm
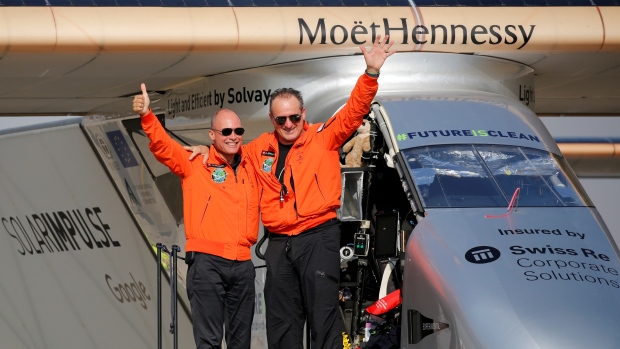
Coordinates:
[165,149]
[377,55]
[342,125]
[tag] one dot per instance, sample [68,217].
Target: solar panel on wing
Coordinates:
[310,3]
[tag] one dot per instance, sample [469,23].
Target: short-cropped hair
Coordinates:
[286,92]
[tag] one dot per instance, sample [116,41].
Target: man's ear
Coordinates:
[303,114]
[212,135]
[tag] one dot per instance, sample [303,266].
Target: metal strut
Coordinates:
[173,293]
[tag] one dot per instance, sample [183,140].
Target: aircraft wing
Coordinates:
[78,60]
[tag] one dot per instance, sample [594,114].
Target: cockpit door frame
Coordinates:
[394,157]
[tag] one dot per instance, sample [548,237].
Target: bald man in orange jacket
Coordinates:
[220,208]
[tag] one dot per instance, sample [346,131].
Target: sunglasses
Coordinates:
[228,131]
[281,120]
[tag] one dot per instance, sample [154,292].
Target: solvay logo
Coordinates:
[482,255]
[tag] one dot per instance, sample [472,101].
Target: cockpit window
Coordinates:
[488,176]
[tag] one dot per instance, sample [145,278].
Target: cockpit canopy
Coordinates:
[489,175]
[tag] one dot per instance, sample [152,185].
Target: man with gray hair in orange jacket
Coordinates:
[298,169]
[220,209]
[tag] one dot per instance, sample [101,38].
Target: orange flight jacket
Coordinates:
[314,164]
[220,208]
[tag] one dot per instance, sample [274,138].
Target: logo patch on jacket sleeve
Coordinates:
[267,153]
[218,175]
[267,164]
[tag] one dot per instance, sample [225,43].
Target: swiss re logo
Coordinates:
[482,255]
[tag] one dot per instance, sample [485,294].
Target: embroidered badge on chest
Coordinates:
[218,175]
[267,164]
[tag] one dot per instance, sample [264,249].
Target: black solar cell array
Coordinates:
[294,3]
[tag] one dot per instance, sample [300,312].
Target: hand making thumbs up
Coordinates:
[141,102]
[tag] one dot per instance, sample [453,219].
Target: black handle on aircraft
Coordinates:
[159,339]
[260,243]
[173,292]
[173,295]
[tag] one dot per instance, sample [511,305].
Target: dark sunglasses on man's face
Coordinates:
[281,120]
[228,131]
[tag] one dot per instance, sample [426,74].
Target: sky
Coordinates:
[590,126]
[8,122]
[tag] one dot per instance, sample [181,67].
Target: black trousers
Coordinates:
[221,292]
[302,283]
